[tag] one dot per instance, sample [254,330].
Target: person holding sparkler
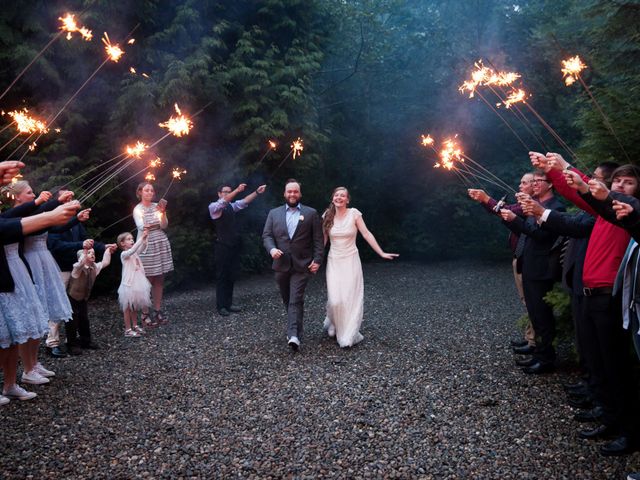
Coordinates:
[15,329]
[156,258]
[229,242]
[345,285]
[539,268]
[292,236]
[494,207]
[602,315]
[134,292]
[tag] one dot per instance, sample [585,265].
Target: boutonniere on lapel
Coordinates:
[301,218]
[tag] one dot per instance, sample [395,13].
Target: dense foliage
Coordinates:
[358,80]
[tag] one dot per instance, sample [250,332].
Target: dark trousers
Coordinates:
[79,324]
[227,266]
[541,316]
[292,285]
[608,360]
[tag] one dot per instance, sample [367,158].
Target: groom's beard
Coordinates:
[295,204]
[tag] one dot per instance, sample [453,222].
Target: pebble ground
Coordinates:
[432,392]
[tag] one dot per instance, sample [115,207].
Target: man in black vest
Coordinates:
[229,243]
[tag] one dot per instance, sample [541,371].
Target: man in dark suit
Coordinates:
[293,237]
[540,269]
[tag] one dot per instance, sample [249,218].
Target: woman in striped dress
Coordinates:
[156,258]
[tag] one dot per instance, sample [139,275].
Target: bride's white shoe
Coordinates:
[331,331]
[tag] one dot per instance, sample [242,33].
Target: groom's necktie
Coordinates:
[293,215]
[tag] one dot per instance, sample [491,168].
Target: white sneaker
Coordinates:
[131,333]
[331,331]
[294,343]
[34,378]
[43,371]
[18,392]
[138,329]
[4,400]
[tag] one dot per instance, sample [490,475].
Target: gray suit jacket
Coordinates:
[306,245]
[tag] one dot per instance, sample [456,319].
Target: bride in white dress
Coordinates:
[345,286]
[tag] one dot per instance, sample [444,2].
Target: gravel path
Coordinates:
[432,392]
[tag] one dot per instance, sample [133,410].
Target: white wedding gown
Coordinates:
[345,286]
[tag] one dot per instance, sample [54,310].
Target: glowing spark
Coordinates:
[272,145]
[177,173]
[33,146]
[156,162]
[114,52]
[571,69]
[485,76]
[57,130]
[145,75]
[516,96]
[427,141]
[178,126]
[69,25]
[449,154]
[132,70]
[132,41]
[297,146]
[136,150]
[16,178]
[150,177]
[26,123]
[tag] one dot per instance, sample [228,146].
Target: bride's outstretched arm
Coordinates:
[371,240]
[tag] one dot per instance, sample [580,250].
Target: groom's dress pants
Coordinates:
[292,285]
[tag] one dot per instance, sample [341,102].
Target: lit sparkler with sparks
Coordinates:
[136,150]
[155,163]
[516,96]
[449,154]
[70,26]
[150,177]
[427,141]
[178,126]
[177,173]
[114,52]
[571,69]
[26,123]
[297,147]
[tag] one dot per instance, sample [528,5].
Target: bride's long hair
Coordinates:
[330,213]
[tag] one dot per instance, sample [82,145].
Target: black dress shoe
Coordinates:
[601,431]
[580,402]
[581,390]
[234,309]
[74,350]
[224,312]
[90,346]
[518,343]
[56,352]
[525,362]
[538,368]
[592,415]
[574,386]
[618,446]
[526,350]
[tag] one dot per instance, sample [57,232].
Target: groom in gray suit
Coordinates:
[293,237]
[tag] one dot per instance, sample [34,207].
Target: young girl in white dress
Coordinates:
[345,285]
[134,292]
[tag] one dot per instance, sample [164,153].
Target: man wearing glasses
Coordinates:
[229,242]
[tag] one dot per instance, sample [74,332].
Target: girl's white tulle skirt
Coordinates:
[135,296]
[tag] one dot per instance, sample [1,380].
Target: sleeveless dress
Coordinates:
[22,310]
[134,292]
[345,285]
[46,276]
[156,258]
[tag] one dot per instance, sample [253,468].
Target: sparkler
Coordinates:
[114,52]
[297,146]
[24,124]
[271,147]
[571,69]
[178,126]
[70,26]
[176,174]
[150,177]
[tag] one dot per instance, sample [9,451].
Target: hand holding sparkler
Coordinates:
[622,209]
[8,170]
[532,208]
[574,180]
[478,195]
[557,162]
[87,244]
[538,160]
[65,196]
[62,214]
[598,189]
[507,215]
[162,205]
[522,197]
[43,197]
[83,215]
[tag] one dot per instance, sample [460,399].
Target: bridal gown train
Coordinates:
[345,286]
